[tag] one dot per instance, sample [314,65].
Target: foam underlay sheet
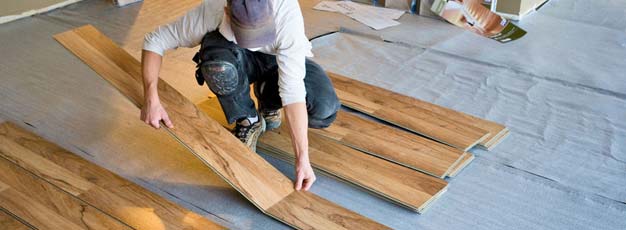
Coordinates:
[560,90]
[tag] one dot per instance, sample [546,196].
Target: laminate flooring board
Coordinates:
[400,184]
[58,175]
[34,213]
[54,199]
[393,144]
[119,197]
[246,171]
[457,129]
[9,222]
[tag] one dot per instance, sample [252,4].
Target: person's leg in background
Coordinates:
[227,69]
[321,100]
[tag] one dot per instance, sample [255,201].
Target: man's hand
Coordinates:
[153,113]
[305,177]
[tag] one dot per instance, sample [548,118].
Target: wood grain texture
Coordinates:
[8,222]
[33,212]
[246,171]
[407,187]
[118,197]
[55,199]
[393,144]
[55,174]
[445,125]
[320,211]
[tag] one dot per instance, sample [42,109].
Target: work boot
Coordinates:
[249,133]
[272,118]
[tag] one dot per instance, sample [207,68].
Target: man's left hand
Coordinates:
[305,177]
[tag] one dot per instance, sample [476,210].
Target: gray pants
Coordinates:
[229,70]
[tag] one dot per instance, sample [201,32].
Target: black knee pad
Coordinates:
[221,76]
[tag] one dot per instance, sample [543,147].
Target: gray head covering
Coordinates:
[252,22]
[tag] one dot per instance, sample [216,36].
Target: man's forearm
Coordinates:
[298,124]
[150,67]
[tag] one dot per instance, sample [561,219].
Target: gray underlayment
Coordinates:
[561,90]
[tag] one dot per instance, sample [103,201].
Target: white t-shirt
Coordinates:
[291,46]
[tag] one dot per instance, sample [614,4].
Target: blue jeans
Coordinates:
[229,70]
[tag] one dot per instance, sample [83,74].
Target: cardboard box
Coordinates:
[516,9]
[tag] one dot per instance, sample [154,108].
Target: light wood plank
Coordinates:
[54,198]
[445,125]
[320,211]
[395,145]
[119,197]
[407,187]
[32,212]
[43,168]
[246,171]
[8,222]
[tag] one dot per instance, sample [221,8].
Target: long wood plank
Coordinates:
[407,187]
[393,144]
[54,198]
[33,212]
[402,185]
[9,222]
[454,128]
[119,197]
[247,172]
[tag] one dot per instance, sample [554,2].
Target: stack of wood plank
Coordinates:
[406,165]
[43,186]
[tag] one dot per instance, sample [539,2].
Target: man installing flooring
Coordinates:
[249,41]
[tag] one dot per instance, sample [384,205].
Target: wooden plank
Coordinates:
[392,144]
[8,222]
[55,174]
[119,197]
[320,211]
[247,172]
[402,185]
[54,198]
[32,212]
[448,126]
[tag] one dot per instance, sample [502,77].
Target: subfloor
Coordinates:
[561,90]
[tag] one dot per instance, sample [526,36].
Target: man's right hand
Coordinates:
[152,113]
